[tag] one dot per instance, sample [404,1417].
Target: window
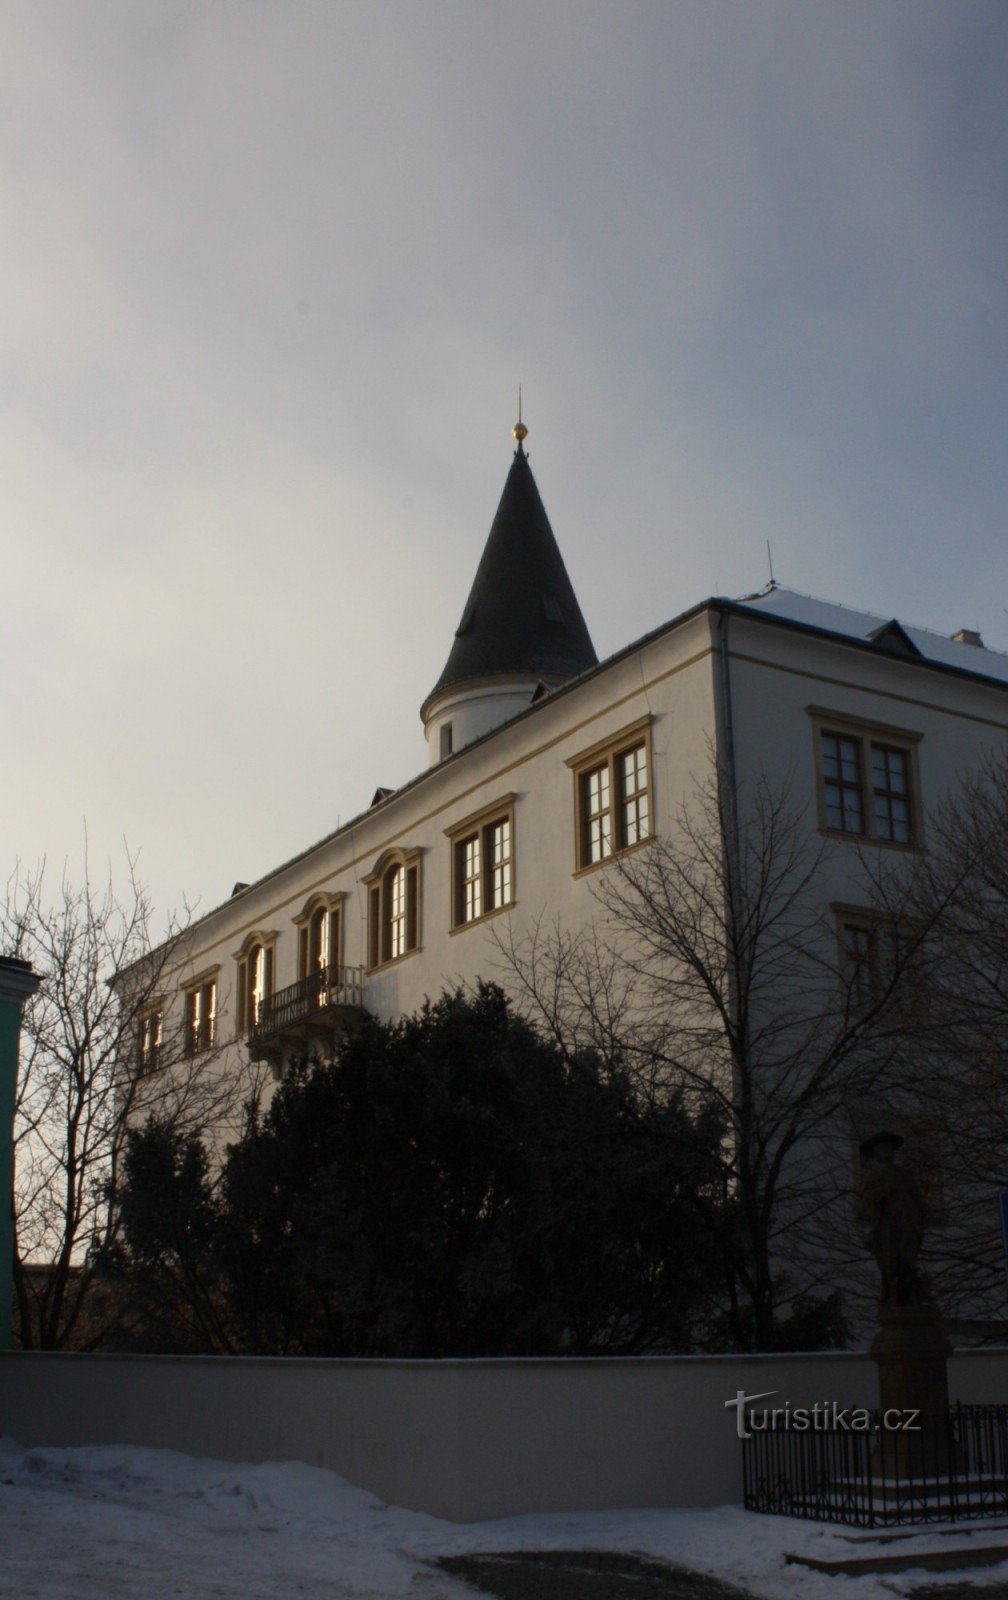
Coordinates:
[612,795]
[842,784]
[255,980]
[319,942]
[394,907]
[856,942]
[867,780]
[446,741]
[891,792]
[149,1034]
[482,863]
[596,793]
[200,1017]
[873,949]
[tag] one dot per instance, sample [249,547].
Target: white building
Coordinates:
[544,763]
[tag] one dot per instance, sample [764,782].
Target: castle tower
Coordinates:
[521,630]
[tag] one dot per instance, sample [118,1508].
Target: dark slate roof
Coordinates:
[522,615]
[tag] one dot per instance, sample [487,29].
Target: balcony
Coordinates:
[310,1012]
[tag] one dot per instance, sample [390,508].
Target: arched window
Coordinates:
[394,894]
[318,939]
[394,907]
[150,1030]
[319,943]
[255,981]
[201,1014]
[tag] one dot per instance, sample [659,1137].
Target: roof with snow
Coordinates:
[886,633]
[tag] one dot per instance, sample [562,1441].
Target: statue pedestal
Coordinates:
[911,1350]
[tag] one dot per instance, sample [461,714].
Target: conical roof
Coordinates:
[522,618]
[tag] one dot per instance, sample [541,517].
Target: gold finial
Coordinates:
[519,431]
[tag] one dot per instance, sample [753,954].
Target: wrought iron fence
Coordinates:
[299,1002]
[947,1468]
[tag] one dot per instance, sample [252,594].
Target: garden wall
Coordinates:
[462,1439]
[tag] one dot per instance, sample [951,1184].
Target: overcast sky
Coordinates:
[271,275]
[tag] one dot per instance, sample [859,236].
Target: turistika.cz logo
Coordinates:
[825,1416]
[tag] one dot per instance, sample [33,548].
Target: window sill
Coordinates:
[393,961]
[485,916]
[617,855]
[913,846]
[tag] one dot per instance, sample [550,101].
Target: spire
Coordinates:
[521,620]
[519,431]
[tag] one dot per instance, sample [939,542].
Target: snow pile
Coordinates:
[120,1523]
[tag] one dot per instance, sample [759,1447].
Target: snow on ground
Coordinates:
[120,1523]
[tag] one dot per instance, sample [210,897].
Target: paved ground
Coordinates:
[963,1591]
[585,1575]
[603,1575]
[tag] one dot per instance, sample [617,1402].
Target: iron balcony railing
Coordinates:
[950,1468]
[305,1001]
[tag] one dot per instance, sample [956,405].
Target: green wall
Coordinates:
[17,983]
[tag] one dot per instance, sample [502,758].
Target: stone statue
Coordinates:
[894,1214]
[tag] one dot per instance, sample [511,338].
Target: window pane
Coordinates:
[890,782]
[257,981]
[191,1023]
[397,913]
[500,858]
[319,940]
[841,764]
[204,1016]
[597,815]
[633,796]
[472,889]
[598,790]
[150,1040]
[857,947]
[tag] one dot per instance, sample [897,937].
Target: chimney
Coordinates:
[968,636]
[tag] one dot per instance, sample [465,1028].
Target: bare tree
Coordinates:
[98,1054]
[715,969]
[959,890]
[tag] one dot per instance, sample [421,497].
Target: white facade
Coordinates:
[667,684]
[751,673]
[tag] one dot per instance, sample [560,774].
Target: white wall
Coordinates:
[670,679]
[776,674]
[466,1440]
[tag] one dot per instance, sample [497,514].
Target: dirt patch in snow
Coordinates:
[584,1575]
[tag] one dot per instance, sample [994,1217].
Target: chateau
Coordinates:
[545,764]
